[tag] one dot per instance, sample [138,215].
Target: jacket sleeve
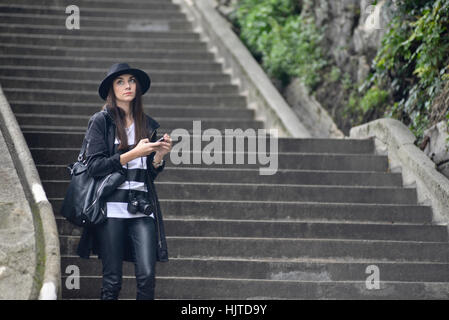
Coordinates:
[99,163]
[151,169]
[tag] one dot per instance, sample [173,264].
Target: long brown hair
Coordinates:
[140,121]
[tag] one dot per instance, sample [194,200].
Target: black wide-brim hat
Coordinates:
[123,68]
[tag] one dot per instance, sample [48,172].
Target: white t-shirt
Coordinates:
[117,202]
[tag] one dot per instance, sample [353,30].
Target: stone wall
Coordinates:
[436,146]
[353,31]
[17,236]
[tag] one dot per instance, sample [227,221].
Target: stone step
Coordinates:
[85,85]
[270,269]
[176,133]
[139,33]
[148,5]
[172,129]
[105,42]
[82,129]
[153,4]
[64,156]
[89,109]
[289,229]
[237,289]
[157,98]
[105,63]
[263,192]
[133,23]
[87,10]
[121,54]
[185,132]
[325,146]
[170,122]
[275,248]
[288,211]
[157,76]
[313,177]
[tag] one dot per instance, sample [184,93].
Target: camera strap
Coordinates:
[127,178]
[149,196]
[127,175]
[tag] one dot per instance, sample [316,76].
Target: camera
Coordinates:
[138,203]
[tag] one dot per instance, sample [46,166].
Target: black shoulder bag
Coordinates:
[83,202]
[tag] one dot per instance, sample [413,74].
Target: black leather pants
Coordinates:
[112,235]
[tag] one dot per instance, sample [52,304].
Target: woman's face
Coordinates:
[125,87]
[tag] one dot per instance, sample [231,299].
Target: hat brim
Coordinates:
[142,77]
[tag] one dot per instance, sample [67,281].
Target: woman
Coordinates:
[122,137]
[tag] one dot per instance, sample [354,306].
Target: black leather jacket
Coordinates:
[102,159]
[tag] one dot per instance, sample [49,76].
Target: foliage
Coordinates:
[408,73]
[374,98]
[334,74]
[412,63]
[286,44]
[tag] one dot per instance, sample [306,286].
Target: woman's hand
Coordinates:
[164,148]
[145,147]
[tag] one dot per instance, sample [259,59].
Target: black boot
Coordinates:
[109,294]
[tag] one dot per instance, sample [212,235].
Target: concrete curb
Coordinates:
[394,139]
[269,105]
[45,224]
[310,112]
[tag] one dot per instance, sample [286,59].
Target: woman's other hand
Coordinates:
[164,147]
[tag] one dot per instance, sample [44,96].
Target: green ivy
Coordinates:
[412,64]
[284,42]
[375,98]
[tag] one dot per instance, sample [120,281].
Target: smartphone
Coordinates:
[161,139]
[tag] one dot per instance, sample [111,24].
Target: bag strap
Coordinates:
[82,154]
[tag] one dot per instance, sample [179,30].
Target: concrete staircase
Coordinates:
[310,231]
